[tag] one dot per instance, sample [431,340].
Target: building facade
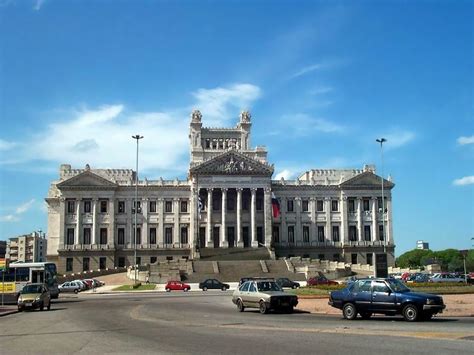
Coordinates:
[27,248]
[225,202]
[422,245]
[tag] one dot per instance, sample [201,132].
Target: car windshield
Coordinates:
[31,289]
[266,286]
[397,286]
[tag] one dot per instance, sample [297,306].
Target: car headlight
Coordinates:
[20,299]
[430,301]
[38,298]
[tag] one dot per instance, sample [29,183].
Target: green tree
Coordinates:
[413,258]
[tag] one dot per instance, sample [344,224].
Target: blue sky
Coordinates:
[323,80]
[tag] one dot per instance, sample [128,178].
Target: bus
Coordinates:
[17,275]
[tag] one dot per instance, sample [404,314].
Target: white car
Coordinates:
[70,286]
[446,278]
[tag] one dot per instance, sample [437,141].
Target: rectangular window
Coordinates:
[70,236]
[306,234]
[369,258]
[379,204]
[139,235]
[121,261]
[168,206]
[334,205]
[85,264]
[352,233]
[291,234]
[87,235]
[71,206]
[138,260]
[69,264]
[153,259]
[366,204]
[102,263]
[320,206]
[289,205]
[152,206]
[276,234]
[184,206]
[351,205]
[259,202]
[381,232]
[87,206]
[121,207]
[216,204]
[139,206]
[103,206]
[305,205]
[169,235]
[354,258]
[245,203]
[321,237]
[321,256]
[230,203]
[335,234]
[184,235]
[103,236]
[367,236]
[153,236]
[121,236]
[336,257]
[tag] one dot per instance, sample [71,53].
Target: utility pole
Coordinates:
[137,137]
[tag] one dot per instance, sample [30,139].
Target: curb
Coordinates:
[6,313]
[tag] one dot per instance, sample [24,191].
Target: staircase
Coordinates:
[218,254]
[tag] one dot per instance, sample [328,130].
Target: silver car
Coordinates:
[440,277]
[265,295]
[70,286]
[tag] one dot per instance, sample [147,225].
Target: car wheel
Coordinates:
[240,306]
[20,309]
[349,311]
[42,307]
[223,288]
[365,315]
[289,309]
[167,289]
[76,290]
[293,287]
[410,313]
[263,307]
[204,288]
[49,306]
[186,290]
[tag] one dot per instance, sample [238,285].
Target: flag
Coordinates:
[200,206]
[275,206]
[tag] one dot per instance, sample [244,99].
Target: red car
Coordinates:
[177,286]
[320,280]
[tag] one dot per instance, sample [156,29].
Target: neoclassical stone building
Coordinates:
[226,202]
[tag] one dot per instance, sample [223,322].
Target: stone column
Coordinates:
[95,240]
[145,232]
[327,209]
[388,223]
[77,236]
[209,241]
[129,225]
[359,218]
[224,243]
[267,206]
[252,218]
[374,226]
[240,241]
[344,236]
[161,228]
[176,229]
[298,226]
[111,227]
[313,237]
[62,223]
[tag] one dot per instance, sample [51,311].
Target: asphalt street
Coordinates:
[198,323]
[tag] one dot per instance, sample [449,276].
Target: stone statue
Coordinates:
[196,116]
[245,117]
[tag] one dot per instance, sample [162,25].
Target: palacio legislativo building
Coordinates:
[229,200]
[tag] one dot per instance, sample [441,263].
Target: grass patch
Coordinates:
[134,288]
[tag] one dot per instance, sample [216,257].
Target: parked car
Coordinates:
[385,296]
[419,278]
[89,283]
[70,286]
[34,296]
[245,279]
[213,284]
[265,295]
[445,277]
[177,286]
[286,282]
[320,280]
[82,284]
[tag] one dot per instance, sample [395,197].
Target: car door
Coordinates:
[383,299]
[361,294]
[253,295]
[244,293]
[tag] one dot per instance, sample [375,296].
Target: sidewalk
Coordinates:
[8,309]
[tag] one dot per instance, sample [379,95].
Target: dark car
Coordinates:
[321,280]
[286,282]
[385,296]
[213,284]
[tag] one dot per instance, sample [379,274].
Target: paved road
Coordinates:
[209,323]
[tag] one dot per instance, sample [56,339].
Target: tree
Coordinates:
[449,259]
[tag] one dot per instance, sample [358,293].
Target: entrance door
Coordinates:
[245,237]
[37,276]
[260,237]
[202,237]
[230,236]
[215,236]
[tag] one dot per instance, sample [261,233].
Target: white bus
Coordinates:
[17,275]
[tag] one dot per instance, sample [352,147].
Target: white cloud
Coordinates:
[467,180]
[321,90]
[285,174]
[398,138]
[37,4]
[4,145]
[25,206]
[306,70]
[466,140]
[214,104]
[301,124]
[9,218]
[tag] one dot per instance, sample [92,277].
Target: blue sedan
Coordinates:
[385,296]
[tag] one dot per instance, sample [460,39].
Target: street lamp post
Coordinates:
[381,260]
[137,137]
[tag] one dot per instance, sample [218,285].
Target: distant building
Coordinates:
[27,248]
[420,244]
[3,248]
